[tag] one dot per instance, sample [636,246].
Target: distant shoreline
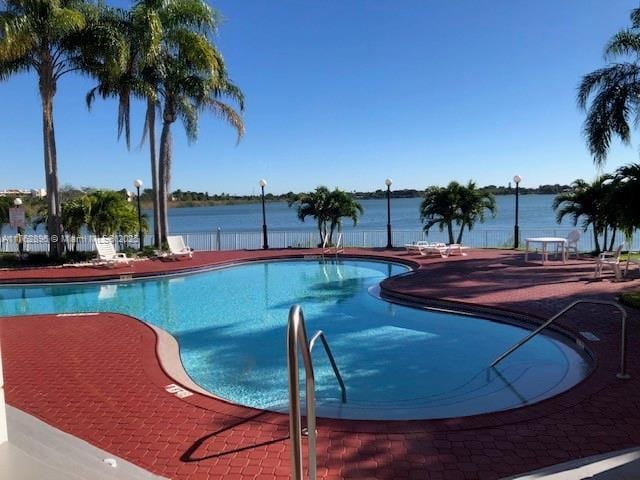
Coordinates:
[283,198]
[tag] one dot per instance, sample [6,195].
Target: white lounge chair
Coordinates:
[434,249]
[416,246]
[107,254]
[177,248]
[456,249]
[611,260]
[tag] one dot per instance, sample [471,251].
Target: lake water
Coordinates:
[240,226]
[535,213]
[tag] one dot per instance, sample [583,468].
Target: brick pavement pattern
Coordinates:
[97,377]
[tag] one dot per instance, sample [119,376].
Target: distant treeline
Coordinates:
[508,190]
[188,198]
[199,198]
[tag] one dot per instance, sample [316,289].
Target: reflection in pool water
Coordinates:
[397,362]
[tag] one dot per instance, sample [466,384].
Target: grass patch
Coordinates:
[632,299]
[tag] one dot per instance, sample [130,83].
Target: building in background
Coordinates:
[17,192]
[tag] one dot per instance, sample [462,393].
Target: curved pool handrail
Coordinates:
[297,337]
[320,334]
[623,340]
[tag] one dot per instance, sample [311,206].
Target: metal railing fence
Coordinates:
[223,240]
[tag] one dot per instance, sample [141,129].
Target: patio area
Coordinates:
[99,378]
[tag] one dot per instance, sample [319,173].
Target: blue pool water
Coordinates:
[397,362]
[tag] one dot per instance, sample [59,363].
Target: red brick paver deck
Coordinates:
[97,377]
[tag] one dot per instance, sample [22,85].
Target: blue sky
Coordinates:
[347,93]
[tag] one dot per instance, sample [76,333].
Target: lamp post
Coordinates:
[138,183]
[388,183]
[18,203]
[516,228]
[265,241]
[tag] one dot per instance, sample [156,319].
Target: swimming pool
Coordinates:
[397,362]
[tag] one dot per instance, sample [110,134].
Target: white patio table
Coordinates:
[545,242]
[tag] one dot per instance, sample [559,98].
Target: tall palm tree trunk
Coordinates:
[450,230]
[332,228]
[165,153]
[459,241]
[613,239]
[595,237]
[54,224]
[151,125]
[320,232]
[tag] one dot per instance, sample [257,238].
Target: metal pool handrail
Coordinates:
[623,340]
[320,334]
[297,338]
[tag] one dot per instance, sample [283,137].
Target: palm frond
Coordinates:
[615,91]
[65,21]
[228,114]
[626,42]
[13,67]
[16,38]
[193,14]
[188,113]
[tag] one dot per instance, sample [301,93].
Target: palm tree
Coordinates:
[141,31]
[194,79]
[626,195]
[316,205]
[472,204]
[589,202]
[170,61]
[614,92]
[342,205]
[110,213]
[74,216]
[52,38]
[441,207]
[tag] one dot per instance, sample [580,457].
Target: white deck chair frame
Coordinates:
[329,250]
[416,246]
[177,248]
[107,254]
[611,260]
[434,249]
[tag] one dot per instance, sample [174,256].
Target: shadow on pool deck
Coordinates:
[98,378]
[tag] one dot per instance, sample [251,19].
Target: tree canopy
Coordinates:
[455,204]
[327,208]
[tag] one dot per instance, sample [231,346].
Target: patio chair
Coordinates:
[107,254]
[611,260]
[177,248]
[572,243]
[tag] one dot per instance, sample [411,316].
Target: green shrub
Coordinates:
[147,252]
